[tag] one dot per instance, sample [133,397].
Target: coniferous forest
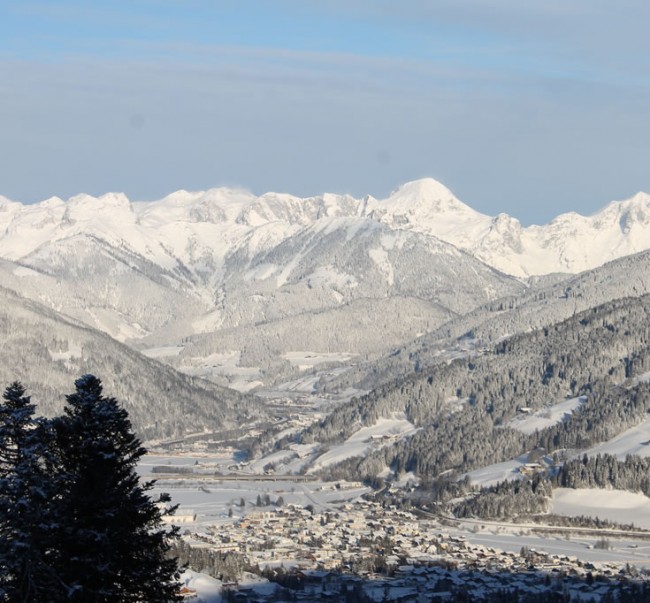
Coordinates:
[76,524]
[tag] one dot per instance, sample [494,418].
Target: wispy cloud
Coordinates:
[527,107]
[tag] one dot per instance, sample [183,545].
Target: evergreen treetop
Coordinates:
[76,524]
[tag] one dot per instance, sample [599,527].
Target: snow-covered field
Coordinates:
[547,416]
[207,589]
[366,438]
[213,500]
[307,360]
[635,440]
[615,505]
[511,539]
[163,351]
[499,472]
[210,590]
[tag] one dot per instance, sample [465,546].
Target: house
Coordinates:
[187,593]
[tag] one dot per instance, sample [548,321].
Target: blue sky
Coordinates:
[531,108]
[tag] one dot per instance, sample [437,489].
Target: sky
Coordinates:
[530,108]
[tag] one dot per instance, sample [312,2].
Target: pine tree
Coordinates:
[25,501]
[112,545]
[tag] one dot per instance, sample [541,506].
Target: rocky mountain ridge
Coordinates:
[199,229]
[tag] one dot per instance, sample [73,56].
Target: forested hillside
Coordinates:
[548,301]
[465,408]
[44,350]
[353,287]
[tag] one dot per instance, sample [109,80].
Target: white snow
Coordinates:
[115,324]
[380,257]
[186,226]
[615,505]
[366,438]
[74,351]
[499,472]
[307,360]
[328,275]
[643,378]
[635,440]
[163,351]
[208,589]
[261,272]
[546,417]
[22,271]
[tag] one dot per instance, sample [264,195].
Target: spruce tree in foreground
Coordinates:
[111,542]
[25,502]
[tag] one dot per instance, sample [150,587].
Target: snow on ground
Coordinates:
[211,499]
[406,479]
[208,590]
[615,505]
[261,272]
[305,385]
[380,257]
[200,463]
[329,275]
[512,538]
[360,442]
[635,440]
[73,352]
[499,472]
[643,378]
[164,351]
[116,324]
[547,416]
[279,458]
[22,271]
[307,360]
[224,365]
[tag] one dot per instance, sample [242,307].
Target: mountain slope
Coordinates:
[465,409]
[349,286]
[47,352]
[199,229]
[205,269]
[569,243]
[483,327]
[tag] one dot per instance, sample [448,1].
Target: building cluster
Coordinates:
[364,545]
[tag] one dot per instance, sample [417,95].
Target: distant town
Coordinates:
[386,554]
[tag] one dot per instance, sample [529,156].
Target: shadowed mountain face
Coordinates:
[47,352]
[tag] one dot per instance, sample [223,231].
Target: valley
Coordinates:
[321,362]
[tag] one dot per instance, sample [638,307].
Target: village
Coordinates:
[386,554]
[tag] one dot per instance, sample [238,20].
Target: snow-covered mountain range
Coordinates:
[227,278]
[450,320]
[200,229]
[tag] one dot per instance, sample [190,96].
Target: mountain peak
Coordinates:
[87,208]
[422,189]
[107,200]
[640,197]
[7,204]
[52,202]
[427,195]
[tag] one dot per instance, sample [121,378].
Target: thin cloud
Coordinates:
[511,104]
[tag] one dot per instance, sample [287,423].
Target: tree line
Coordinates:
[606,471]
